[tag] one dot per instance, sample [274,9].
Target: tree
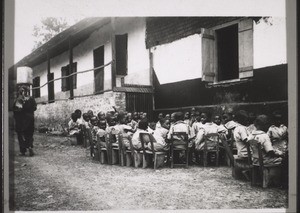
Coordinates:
[48,28]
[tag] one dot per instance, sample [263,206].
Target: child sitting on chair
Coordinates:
[86,120]
[124,129]
[151,127]
[178,126]
[278,133]
[113,130]
[160,136]
[142,128]
[187,118]
[101,133]
[160,118]
[195,128]
[270,155]
[221,128]
[130,122]
[78,113]
[95,127]
[208,127]
[240,133]
[74,126]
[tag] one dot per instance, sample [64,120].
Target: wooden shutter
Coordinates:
[74,69]
[246,48]
[121,54]
[98,55]
[36,83]
[208,55]
[64,81]
[50,77]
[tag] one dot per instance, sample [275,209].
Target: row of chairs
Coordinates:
[260,174]
[114,153]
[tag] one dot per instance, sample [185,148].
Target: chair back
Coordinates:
[211,141]
[181,138]
[107,140]
[256,152]
[145,139]
[227,149]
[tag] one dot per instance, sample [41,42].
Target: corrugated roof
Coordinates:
[134,89]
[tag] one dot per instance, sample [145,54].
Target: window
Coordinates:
[65,82]
[121,54]
[228,55]
[36,83]
[50,77]
[227,52]
[99,73]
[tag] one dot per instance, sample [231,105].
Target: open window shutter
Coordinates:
[74,69]
[64,72]
[121,54]
[36,83]
[50,77]
[246,48]
[208,55]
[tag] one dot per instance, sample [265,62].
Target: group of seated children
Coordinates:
[240,126]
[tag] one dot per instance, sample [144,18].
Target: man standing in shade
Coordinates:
[24,108]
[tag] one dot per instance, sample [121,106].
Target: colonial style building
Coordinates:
[159,64]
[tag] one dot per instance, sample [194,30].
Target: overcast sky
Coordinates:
[30,12]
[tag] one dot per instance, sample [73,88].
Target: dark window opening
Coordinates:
[65,82]
[36,83]
[99,73]
[228,55]
[50,77]
[121,54]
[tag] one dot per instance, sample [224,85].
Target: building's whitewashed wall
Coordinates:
[138,59]
[138,55]
[269,42]
[179,60]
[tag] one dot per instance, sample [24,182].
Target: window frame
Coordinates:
[65,84]
[245,72]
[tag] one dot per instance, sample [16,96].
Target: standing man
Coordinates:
[24,108]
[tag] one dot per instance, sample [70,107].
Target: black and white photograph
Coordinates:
[156,106]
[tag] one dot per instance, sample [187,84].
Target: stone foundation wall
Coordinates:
[57,114]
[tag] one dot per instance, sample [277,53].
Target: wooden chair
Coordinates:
[122,150]
[228,150]
[114,148]
[84,136]
[108,148]
[184,141]
[104,151]
[93,149]
[211,145]
[89,138]
[128,153]
[238,164]
[261,174]
[150,156]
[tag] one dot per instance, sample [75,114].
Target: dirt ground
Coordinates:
[64,177]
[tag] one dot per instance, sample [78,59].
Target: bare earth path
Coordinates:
[64,177]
